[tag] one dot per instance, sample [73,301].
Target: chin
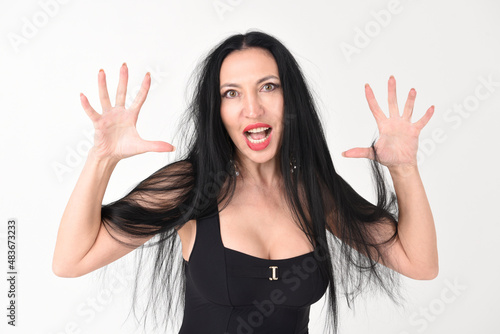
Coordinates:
[260,157]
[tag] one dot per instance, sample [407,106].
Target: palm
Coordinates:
[397,144]
[116,134]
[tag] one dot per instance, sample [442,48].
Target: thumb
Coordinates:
[359,152]
[157,146]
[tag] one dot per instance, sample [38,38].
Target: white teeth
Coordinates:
[260,140]
[257,130]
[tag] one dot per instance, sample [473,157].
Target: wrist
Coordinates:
[101,159]
[403,170]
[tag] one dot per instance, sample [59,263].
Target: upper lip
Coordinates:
[256,125]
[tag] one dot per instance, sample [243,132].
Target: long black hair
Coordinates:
[336,219]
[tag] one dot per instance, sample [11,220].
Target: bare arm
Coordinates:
[81,220]
[414,251]
[83,244]
[416,230]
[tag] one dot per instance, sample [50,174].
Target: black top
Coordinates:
[230,292]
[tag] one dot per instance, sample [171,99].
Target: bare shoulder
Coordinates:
[187,234]
[186,229]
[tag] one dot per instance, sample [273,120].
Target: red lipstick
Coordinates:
[256,125]
[261,144]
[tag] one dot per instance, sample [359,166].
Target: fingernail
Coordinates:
[124,64]
[101,70]
[173,148]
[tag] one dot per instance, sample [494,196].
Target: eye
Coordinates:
[229,91]
[269,84]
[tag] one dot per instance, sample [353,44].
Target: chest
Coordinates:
[225,277]
[262,227]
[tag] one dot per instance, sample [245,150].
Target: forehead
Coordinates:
[247,64]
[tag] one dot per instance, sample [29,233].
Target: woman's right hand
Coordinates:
[116,135]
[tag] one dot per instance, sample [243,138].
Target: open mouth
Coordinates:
[258,135]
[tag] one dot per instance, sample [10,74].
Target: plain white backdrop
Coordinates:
[51,50]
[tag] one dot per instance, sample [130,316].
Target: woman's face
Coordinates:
[252,99]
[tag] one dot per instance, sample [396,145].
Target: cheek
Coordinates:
[277,106]
[224,115]
[280,114]
[227,120]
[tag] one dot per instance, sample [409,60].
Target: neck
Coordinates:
[265,175]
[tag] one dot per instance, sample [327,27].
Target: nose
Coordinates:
[252,105]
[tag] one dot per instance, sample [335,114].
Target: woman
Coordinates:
[265,222]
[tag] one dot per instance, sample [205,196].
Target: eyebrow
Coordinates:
[258,82]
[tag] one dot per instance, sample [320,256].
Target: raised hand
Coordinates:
[397,144]
[116,135]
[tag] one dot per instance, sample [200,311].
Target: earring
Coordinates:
[235,170]
[292,164]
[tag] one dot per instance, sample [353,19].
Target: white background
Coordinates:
[446,50]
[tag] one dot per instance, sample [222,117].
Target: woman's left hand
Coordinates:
[397,144]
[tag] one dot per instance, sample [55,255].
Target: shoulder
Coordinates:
[187,231]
